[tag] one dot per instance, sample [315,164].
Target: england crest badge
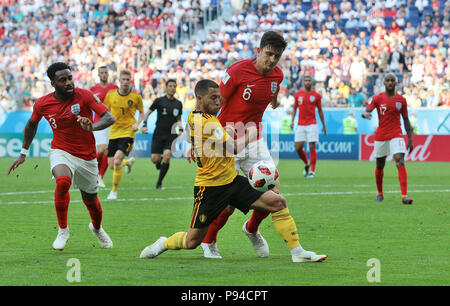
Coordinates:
[75,109]
[273,87]
[398,105]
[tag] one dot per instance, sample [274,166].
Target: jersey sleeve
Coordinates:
[296,100]
[227,84]
[107,100]
[217,132]
[140,104]
[281,77]
[404,108]
[319,101]
[373,104]
[180,109]
[95,104]
[154,105]
[36,115]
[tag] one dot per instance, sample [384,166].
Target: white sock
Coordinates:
[297,250]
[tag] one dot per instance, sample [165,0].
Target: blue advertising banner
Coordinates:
[281,146]
[328,147]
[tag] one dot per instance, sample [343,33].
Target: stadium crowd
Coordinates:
[345,45]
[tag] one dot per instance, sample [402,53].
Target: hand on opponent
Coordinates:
[85,123]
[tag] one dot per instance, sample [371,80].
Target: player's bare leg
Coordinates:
[379,173]
[156,159]
[63,176]
[402,177]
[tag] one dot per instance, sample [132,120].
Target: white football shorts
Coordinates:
[101,137]
[84,172]
[254,152]
[306,133]
[393,146]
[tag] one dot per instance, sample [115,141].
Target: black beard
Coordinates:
[65,95]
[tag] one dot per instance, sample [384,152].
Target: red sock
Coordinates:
[62,199]
[255,220]
[214,228]
[313,156]
[379,173]
[103,165]
[95,211]
[403,179]
[301,153]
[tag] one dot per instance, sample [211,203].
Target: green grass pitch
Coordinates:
[335,214]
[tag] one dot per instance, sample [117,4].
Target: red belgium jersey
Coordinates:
[389,111]
[68,135]
[306,102]
[247,93]
[101,92]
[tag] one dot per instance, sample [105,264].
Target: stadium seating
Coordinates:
[151,35]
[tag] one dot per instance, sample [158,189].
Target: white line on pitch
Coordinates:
[191,198]
[190,187]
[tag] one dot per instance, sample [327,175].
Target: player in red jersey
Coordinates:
[247,88]
[306,101]
[102,136]
[388,137]
[68,110]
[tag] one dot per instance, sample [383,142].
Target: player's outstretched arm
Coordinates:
[409,130]
[105,121]
[367,114]
[294,112]
[141,118]
[322,118]
[29,133]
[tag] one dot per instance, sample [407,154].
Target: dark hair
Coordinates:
[53,68]
[202,86]
[273,39]
[170,81]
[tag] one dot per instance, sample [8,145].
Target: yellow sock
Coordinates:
[176,241]
[117,176]
[125,162]
[286,227]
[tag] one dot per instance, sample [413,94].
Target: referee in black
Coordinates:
[169,118]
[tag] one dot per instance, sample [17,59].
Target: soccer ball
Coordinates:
[263,176]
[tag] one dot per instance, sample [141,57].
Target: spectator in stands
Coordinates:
[445,98]
[123,30]
[396,61]
[431,100]
[421,4]
[356,99]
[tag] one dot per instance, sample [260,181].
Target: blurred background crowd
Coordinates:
[347,46]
